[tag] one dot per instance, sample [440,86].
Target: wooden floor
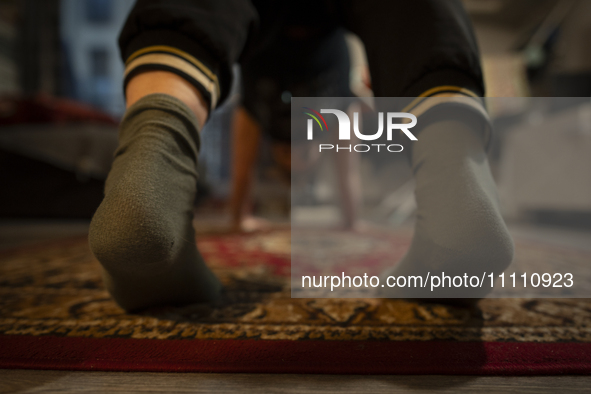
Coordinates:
[23,381]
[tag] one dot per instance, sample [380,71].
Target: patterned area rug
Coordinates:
[55,314]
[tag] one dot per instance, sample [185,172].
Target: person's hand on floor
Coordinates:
[252,224]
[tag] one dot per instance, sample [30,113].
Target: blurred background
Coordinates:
[61,100]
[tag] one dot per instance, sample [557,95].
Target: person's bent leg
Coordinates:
[142,232]
[246,136]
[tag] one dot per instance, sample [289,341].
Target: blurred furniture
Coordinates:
[54,157]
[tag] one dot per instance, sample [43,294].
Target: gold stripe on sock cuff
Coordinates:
[178,64]
[174,51]
[453,98]
[437,91]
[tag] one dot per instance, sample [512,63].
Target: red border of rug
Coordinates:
[309,356]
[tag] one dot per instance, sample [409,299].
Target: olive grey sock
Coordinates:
[459,228]
[142,233]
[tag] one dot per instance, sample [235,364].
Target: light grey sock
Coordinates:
[142,233]
[459,228]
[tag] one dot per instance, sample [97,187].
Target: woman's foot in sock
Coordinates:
[142,233]
[459,228]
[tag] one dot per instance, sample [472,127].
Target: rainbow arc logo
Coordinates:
[315,118]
